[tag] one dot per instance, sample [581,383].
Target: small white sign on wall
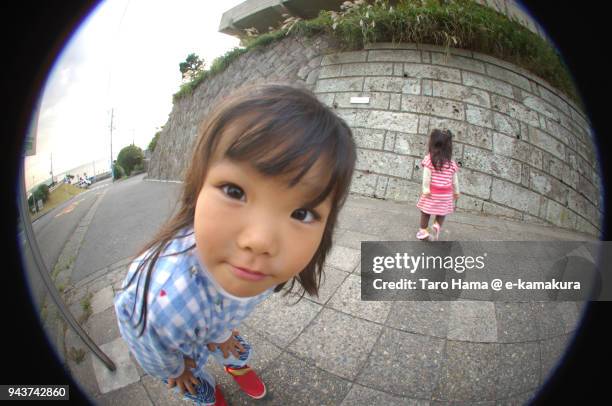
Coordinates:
[360,100]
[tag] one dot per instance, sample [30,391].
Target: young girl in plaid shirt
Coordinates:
[270,170]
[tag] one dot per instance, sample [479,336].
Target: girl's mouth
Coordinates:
[247,274]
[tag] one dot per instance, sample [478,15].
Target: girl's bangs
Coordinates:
[304,141]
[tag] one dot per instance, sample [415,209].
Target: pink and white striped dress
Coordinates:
[441,201]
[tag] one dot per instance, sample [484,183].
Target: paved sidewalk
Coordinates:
[338,350]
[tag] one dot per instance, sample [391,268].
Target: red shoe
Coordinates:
[219,399]
[248,381]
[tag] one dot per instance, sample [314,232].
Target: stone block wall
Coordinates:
[525,150]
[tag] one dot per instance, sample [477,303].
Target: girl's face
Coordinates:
[252,231]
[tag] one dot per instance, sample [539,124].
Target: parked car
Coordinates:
[84,183]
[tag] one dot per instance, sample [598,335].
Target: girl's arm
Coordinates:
[426,180]
[455,184]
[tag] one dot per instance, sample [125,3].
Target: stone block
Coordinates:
[433,106]
[582,206]
[326,98]
[516,197]
[411,144]
[363,183]
[487,83]
[403,190]
[472,321]
[460,93]
[559,215]
[500,211]
[367,69]
[381,84]
[330,71]
[561,171]
[544,141]
[337,343]
[102,300]
[494,164]
[388,120]
[587,189]
[509,76]
[432,72]
[306,382]
[385,163]
[390,141]
[469,373]
[413,374]
[457,61]
[348,300]
[586,227]
[548,186]
[343,258]
[520,150]
[125,372]
[506,125]
[381,187]
[395,55]
[475,183]
[377,100]
[281,319]
[479,116]
[519,369]
[339,85]
[363,396]
[367,138]
[515,110]
[542,107]
[344,57]
[555,100]
[469,203]
[395,102]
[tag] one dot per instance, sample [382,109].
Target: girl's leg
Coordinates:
[424,220]
[205,391]
[231,361]
[439,220]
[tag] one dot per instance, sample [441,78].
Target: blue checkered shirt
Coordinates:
[187,309]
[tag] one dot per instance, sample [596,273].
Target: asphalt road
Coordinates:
[53,230]
[129,214]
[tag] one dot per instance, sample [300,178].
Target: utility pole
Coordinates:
[111,147]
[51,169]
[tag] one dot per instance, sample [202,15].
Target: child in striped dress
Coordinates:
[440,184]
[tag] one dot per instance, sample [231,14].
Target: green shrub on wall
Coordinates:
[451,23]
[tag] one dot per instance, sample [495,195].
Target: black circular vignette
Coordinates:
[34,35]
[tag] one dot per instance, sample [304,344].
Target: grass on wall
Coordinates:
[451,23]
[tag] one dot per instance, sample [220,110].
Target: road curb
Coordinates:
[61,274]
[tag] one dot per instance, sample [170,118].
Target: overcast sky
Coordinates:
[124,57]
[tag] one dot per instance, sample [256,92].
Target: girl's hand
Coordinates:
[186,381]
[230,346]
[456,195]
[426,194]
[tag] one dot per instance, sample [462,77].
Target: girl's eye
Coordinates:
[233,192]
[304,215]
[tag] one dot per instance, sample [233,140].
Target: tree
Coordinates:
[42,193]
[153,142]
[129,157]
[191,66]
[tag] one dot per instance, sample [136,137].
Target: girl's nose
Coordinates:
[260,236]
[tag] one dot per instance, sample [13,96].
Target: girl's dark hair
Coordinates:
[440,148]
[281,130]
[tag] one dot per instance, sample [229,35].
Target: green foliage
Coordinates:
[191,66]
[153,142]
[448,23]
[41,193]
[129,157]
[118,172]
